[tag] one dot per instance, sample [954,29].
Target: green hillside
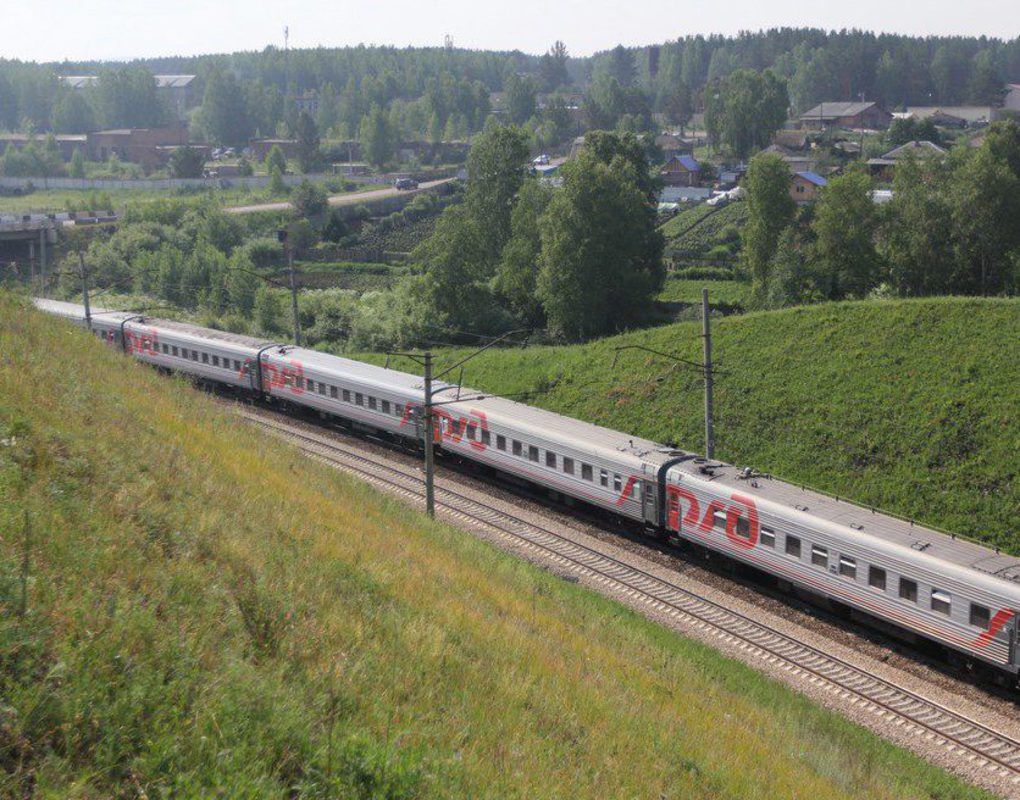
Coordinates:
[909,406]
[209,614]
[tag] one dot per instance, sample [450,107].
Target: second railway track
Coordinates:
[977,743]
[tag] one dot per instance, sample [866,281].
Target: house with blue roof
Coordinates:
[681,171]
[805,186]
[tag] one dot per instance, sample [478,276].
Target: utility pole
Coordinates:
[430,496]
[428,417]
[707,336]
[282,235]
[42,258]
[84,289]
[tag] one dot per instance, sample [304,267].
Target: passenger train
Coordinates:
[928,584]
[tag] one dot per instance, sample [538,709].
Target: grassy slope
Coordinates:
[211,613]
[729,294]
[909,406]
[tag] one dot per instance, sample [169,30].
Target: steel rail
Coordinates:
[997,749]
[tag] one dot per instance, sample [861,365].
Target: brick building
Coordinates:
[146,146]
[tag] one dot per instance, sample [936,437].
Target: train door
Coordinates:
[648,502]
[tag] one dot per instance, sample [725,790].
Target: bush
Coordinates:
[264,252]
[705,274]
[309,200]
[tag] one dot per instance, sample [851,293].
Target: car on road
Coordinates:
[405,183]
[541,160]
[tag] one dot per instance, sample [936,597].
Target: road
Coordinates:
[353,199]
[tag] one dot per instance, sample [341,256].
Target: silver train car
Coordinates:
[929,584]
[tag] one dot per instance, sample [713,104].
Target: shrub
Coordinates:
[705,274]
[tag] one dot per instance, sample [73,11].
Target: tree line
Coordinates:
[444,93]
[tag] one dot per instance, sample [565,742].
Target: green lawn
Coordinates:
[211,614]
[909,406]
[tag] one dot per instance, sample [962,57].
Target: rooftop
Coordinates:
[813,177]
[836,110]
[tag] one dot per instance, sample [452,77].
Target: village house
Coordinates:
[681,171]
[884,167]
[846,115]
[951,116]
[805,186]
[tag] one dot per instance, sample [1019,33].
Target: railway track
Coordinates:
[958,734]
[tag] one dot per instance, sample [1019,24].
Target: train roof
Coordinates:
[852,517]
[330,364]
[849,516]
[583,435]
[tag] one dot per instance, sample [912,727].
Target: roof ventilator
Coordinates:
[921,546]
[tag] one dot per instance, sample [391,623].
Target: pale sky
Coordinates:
[120,29]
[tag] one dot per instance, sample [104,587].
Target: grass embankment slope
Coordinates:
[209,612]
[911,406]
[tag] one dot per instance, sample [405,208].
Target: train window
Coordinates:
[793,546]
[359,399]
[532,453]
[398,410]
[215,361]
[617,483]
[568,466]
[194,355]
[322,388]
[333,392]
[347,395]
[166,349]
[371,403]
[819,556]
[205,358]
[767,537]
[500,442]
[603,477]
[876,577]
[719,519]
[979,616]
[385,408]
[586,472]
[174,349]
[941,601]
[486,438]
[517,449]
[471,431]
[847,567]
[743,527]
[908,589]
[237,365]
[550,459]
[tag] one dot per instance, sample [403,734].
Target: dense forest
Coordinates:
[446,93]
